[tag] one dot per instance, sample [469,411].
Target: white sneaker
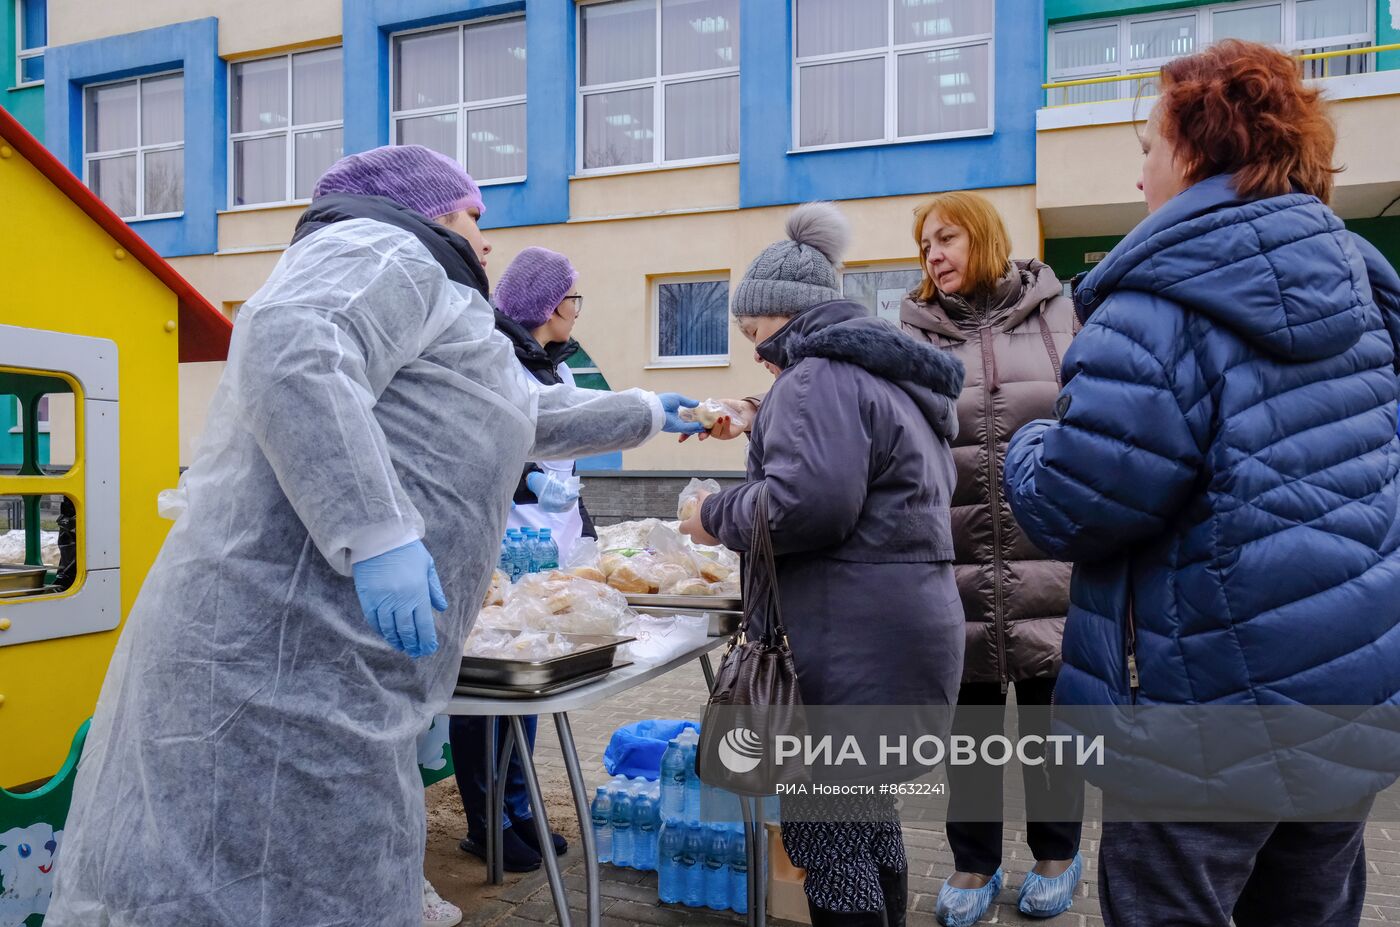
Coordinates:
[437,911]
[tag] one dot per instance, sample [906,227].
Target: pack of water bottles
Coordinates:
[528,550]
[663,826]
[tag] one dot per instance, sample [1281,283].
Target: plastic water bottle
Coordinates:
[673,780]
[549,551]
[602,824]
[519,557]
[716,867]
[670,880]
[644,844]
[622,836]
[693,864]
[738,871]
[528,541]
[504,564]
[692,781]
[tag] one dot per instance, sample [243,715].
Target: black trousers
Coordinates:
[1201,875]
[976,844]
[467,735]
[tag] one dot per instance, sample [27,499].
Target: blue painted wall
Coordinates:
[543,197]
[191,46]
[12,445]
[769,175]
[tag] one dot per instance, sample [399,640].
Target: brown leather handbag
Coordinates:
[755,697]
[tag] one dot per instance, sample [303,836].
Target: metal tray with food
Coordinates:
[690,603]
[20,577]
[592,653]
[722,624]
[556,688]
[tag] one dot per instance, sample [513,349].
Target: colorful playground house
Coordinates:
[93,325]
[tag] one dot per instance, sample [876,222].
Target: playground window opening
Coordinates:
[38,546]
[31,37]
[460,91]
[134,145]
[287,119]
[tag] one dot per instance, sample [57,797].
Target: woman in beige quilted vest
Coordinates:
[1009,323]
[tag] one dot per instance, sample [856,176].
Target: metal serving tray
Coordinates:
[592,653]
[722,624]
[19,577]
[689,603]
[539,692]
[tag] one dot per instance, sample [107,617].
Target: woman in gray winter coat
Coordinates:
[852,446]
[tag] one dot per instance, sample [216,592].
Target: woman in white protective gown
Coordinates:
[251,761]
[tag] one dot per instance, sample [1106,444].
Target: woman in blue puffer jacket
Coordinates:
[1224,472]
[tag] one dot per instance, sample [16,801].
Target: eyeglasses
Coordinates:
[578,304]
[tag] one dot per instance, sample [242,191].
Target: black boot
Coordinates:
[824,918]
[895,884]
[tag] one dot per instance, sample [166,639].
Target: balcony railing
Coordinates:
[1337,62]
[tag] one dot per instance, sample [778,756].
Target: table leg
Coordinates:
[761,832]
[585,818]
[493,810]
[497,797]
[757,836]
[709,671]
[551,862]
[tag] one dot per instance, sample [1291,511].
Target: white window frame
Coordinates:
[23,54]
[291,130]
[1288,9]
[140,150]
[660,362]
[462,108]
[878,267]
[658,85]
[891,53]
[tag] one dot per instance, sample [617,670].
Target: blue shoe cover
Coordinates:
[1042,897]
[963,907]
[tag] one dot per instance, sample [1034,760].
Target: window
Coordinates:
[134,140]
[1111,48]
[871,71]
[32,34]
[286,122]
[658,83]
[692,321]
[586,372]
[880,290]
[461,91]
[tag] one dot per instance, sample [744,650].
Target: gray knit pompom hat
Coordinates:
[794,275]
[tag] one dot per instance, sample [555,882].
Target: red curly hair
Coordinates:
[1242,108]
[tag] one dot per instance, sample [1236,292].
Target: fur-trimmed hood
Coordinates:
[843,331]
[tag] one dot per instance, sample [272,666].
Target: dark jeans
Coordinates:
[1200,875]
[977,843]
[467,735]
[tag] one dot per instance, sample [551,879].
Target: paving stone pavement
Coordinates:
[630,896]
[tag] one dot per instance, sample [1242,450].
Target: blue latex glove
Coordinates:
[673,403]
[556,496]
[398,592]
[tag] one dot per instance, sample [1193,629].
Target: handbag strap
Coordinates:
[761,577]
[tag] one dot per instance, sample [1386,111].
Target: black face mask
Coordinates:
[448,248]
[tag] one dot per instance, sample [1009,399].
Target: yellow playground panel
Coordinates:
[93,325]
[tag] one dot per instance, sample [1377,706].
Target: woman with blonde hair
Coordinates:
[1009,323]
